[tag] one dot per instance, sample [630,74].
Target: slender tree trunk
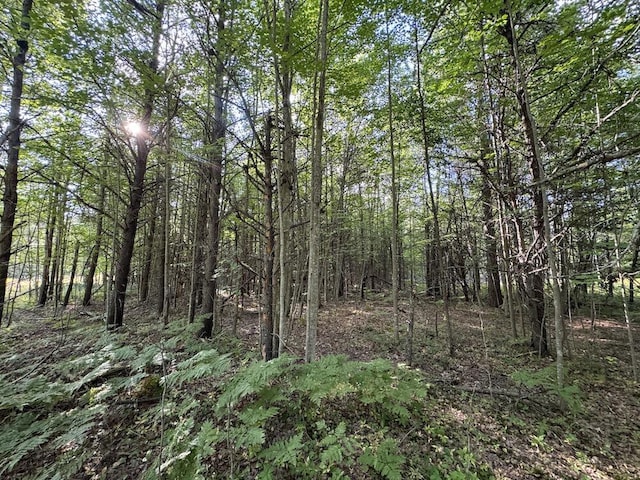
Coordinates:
[57,267]
[215,134]
[541,223]
[494,291]
[150,245]
[115,312]
[313,287]
[395,262]
[95,252]
[10,195]
[625,305]
[634,268]
[269,247]
[48,254]
[166,264]
[72,275]
[440,264]
[199,233]
[287,167]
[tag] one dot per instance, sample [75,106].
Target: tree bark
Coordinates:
[269,246]
[10,195]
[541,222]
[287,175]
[313,286]
[395,262]
[115,311]
[440,259]
[72,275]
[150,244]
[214,137]
[95,252]
[48,254]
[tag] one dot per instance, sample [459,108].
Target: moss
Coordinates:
[148,387]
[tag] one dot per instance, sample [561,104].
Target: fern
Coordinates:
[207,363]
[144,357]
[325,379]
[392,389]
[257,415]
[285,452]
[385,459]
[25,433]
[546,378]
[31,392]
[255,378]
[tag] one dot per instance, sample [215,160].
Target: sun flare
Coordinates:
[133,128]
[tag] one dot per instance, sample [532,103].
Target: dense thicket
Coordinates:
[190,154]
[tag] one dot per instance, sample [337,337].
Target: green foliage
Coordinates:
[384,459]
[35,392]
[207,363]
[257,377]
[291,420]
[65,431]
[569,395]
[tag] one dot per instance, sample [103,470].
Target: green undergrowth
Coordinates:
[203,413]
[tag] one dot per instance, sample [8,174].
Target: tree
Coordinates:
[13,138]
[141,145]
[316,186]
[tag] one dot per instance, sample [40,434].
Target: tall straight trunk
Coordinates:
[269,247]
[625,305]
[494,291]
[339,281]
[634,268]
[10,195]
[166,264]
[57,267]
[313,286]
[495,129]
[115,311]
[48,254]
[150,244]
[287,177]
[159,247]
[541,223]
[95,252]
[72,275]
[440,259]
[395,262]
[199,233]
[214,137]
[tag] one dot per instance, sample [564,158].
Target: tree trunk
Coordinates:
[199,233]
[541,223]
[115,312]
[494,291]
[214,137]
[287,168]
[72,275]
[95,252]
[57,268]
[150,246]
[395,262]
[313,286]
[269,247]
[440,264]
[48,254]
[10,195]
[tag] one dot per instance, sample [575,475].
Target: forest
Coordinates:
[319,239]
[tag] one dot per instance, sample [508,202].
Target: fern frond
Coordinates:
[256,377]
[207,363]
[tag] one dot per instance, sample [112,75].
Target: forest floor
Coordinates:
[490,411]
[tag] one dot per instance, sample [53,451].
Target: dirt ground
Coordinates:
[495,395]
